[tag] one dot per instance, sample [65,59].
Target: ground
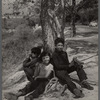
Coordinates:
[84,46]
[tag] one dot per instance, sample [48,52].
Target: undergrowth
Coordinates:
[15,47]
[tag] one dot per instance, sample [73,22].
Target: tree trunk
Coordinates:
[63,19]
[73,18]
[51,26]
[48,38]
[48,34]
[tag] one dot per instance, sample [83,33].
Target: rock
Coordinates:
[93,24]
[10,96]
[21,98]
[69,49]
[19,67]
[18,76]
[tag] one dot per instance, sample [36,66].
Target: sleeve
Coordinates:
[50,70]
[29,63]
[26,62]
[57,65]
[51,67]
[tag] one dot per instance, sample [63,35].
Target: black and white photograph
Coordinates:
[50,49]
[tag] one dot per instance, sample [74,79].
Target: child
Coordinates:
[29,63]
[43,73]
[62,69]
[29,68]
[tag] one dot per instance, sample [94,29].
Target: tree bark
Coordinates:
[48,34]
[51,26]
[63,19]
[73,18]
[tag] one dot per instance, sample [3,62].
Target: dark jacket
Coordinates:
[61,63]
[30,63]
[60,60]
[29,67]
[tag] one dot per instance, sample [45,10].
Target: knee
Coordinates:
[29,71]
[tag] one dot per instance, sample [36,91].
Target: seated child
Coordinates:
[63,68]
[29,68]
[29,63]
[43,73]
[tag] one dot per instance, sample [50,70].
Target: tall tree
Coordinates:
[73,18]
[52,22]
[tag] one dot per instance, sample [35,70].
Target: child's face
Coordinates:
[46,59]
[60,46]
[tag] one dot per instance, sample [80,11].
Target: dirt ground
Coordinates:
[84,46]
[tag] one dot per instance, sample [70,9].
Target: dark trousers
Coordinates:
[29,73]
[64,78]
[35,88]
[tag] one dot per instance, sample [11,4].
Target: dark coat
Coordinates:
[29,67]
[62,69]
[61,64]
[30,63]
[60,60]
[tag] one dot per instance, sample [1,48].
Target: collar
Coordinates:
[59,51]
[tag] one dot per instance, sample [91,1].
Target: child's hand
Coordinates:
[75,61]
[71,64]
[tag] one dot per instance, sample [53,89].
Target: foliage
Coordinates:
[13,23]
[16,46]
[33,9]
[91,4]
[85,12]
